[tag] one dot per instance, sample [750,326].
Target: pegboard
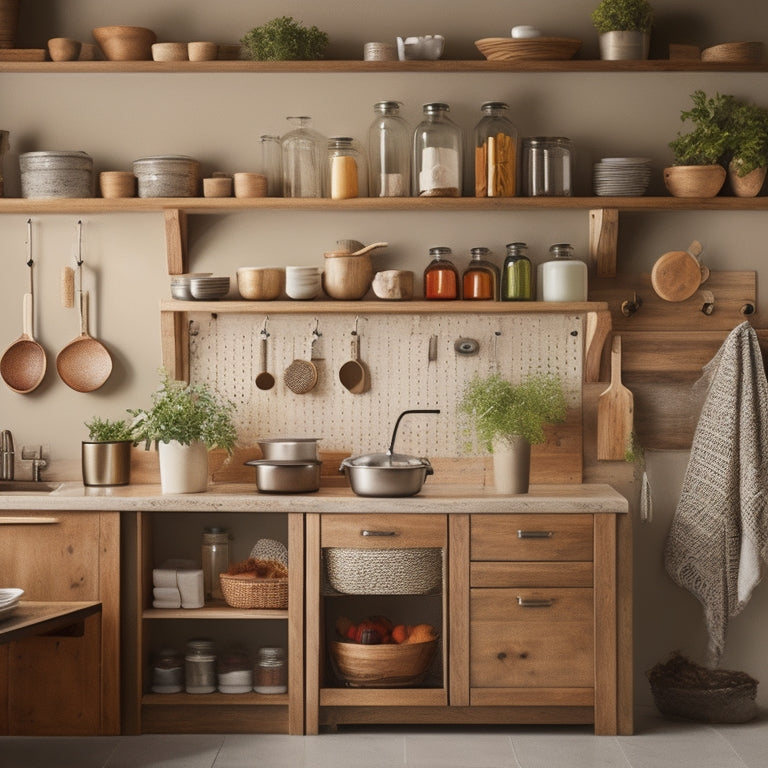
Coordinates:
[225,353]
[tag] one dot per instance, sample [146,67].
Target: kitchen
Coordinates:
[119,118]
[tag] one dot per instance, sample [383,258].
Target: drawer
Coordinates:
[527,638]
[383,531]
[531,537]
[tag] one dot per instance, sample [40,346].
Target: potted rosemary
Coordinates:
[285,39]
[106,455]
[624,27]
[508,418]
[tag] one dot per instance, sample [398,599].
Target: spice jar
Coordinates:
[389,152]
[564,278]
[437,154]
[516,274]
[495,152]
[441,278]
[270,674]
[348,174]
[233,671]
[304,160]
[481,277]
[200,666]
[168,672]
[215,556]
[271,164]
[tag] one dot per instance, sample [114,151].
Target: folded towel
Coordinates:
[164,577]
[166,593]
[166,603]
[191,588]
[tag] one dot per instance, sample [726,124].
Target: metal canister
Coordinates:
[547,166]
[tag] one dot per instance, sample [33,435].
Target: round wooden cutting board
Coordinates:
[677,275]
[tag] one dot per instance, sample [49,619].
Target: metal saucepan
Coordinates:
[300,476]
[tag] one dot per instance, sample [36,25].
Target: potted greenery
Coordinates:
[624,27]
[285,39]
[185,421]
[106,455]
[747,148]
[508,418]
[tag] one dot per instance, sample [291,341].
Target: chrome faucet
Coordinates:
[35,455]
[6,448]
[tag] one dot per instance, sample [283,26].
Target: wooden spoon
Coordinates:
[360,252]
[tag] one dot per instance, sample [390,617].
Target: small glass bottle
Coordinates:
[495,152]
[389,152]
[304,160]
[200,666]
[480,280]
[271,164]
[168,672]
[270,675]
[564,278]
[437,162]
[441,278]
[348,173]
[215,558]
[516,274]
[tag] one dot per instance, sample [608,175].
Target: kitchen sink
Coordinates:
[26,487]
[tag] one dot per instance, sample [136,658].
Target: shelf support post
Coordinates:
[174,340]
[603,240]
[176,241]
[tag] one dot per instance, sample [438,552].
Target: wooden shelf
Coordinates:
[214,611]
[207,699]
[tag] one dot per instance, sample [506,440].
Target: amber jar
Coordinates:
[441,278]
[481,277]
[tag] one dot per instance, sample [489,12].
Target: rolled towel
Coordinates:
[166,593]
[191,588]
[164,577]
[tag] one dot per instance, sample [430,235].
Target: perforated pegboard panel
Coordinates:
[224,352]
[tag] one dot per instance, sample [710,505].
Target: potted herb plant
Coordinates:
[106,455]
[508,418]
[185,421]
[624,27]
[747,148]
[285,39]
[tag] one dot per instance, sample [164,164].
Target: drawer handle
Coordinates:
[29,520]
[366,532]
[535,534]
[534,602]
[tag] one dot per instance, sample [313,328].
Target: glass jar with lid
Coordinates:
[304,160]
[437,161]
[547,166]
[480,280]
[271,164]
[441,278]
[495,152]
[168,672]
[563,278]
[200,666]
[233,671]
[347,169]
[516,274]
[270,675]
[215,559]
[389,152]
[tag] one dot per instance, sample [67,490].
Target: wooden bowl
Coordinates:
[115,184]
[382,666]
[121,43]
[169,52]
[694,180]
[528,49]
[260,283]
[735,53]
[64,49]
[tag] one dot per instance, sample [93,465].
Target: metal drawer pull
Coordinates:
[534,602]
[366,532]
[535,534]
[29,520]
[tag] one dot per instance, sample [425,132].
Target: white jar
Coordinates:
[563,278]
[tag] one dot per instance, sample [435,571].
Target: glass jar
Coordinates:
[304,160]
[270,675]
[437,159]
[563,278]
[200,666]
[516,274]
[168,672]
[495,152]
[480,280]
[271,164]
[547,166]
[389,152]
[233,671]
[441,278]
[348,173]
[215,557]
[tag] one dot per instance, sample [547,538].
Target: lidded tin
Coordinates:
[56,174]
[167,176]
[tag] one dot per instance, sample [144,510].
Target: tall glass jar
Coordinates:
[480,280]
[495,152]
[215,557]
[347,168]
[563,278]
[271,164]
[389,152]
[304,160]
[516,274]
[437,159]
[441,278]
[200,666]
[168,672]
[270,674]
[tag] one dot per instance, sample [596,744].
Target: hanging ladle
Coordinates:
[354,373]
[264,379]
[23,363]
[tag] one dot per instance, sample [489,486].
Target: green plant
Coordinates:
[623,15]
[108,431]
[493,407]
[185,413]
[710,138]
[748,138]
[285,39]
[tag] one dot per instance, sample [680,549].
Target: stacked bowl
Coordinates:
[209,288]
[622,176]
[303,282]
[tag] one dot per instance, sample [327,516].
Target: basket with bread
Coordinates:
[256,583]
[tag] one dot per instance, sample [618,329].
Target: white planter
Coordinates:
[183,468]
[624,45]
[511,464]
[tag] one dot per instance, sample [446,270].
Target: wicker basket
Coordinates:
[382,666]
[414,571]
[244,591]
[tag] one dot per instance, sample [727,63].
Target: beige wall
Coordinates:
[218,119]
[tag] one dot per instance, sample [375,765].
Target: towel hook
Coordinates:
[629,307]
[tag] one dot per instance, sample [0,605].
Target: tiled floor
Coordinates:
[657,743]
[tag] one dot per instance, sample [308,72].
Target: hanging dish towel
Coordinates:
[718,538]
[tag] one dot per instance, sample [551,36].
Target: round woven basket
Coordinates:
[248,592]
[382,666]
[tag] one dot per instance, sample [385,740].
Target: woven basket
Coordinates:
[415,571]
[248,592]
[382,666]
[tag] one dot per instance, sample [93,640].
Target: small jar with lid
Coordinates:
[168,672]
[516,274]
[304,160]
[495,152]
[480,280]
[347,169]
[563,278]
[215,557]
[270,674]
[233,671]
[200,666]
[437,161]
[441,278]
[389,152]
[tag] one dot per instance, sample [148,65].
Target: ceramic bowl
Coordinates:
[64,49]
[428,47]
[209,288]
[180,285]
[217,186]
[202,50]
[169,52]
[121,43]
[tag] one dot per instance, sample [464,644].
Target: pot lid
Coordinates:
[282,462]
[384,461]
[289,440]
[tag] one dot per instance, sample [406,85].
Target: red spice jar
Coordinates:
[441,278]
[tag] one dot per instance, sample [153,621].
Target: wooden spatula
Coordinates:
[614,413]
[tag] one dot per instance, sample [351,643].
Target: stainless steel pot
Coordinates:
[286,476]
[289,449]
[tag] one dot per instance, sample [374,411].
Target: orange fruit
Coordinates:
[399,633]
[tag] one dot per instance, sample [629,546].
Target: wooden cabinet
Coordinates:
[63,557]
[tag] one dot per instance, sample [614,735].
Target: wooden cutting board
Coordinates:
[677,275]
[615,413]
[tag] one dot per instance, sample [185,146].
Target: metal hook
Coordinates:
[263,330]
[316,333]
[29,243]
[708,307]
[79,242]
[357,317]
[628,308]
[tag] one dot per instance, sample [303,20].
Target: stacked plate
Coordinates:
[622,176]
[208,288]
[9,601]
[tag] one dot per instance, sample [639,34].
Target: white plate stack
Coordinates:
[9,601]
[622,176]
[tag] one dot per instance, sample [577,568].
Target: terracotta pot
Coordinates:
[748,185]
[694,180]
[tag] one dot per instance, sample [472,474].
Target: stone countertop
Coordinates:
[243,497]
